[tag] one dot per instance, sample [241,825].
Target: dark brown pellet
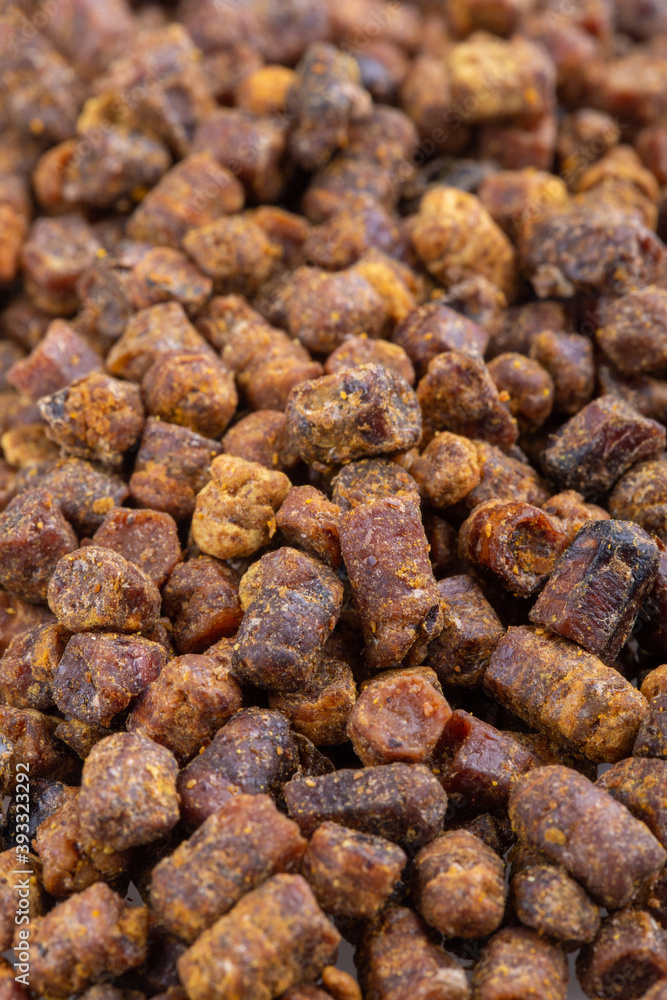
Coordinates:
[471,631]
[253,753]
[128,792]
[402,802]
[628,956]
[599,585]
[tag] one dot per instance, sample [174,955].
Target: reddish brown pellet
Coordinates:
[595,447]
[516,961]
[253,753]
[369,479]
[232,852]
[91,935]
[639,496]
[580,826]
[357,413]
[547,899]
[58,359]
[97,588]
[128,792]
[362,350]
[201,597]
[277,936]
[260,437]
[309,521]
[638,784]
[95,417]
[235,252]
[267,363]
[516,542]
[81,175]
[397,954]
[447,470]
[530,388]
[186,704]
[458,394]
[148,538]
[164,274]
[589,248]
[566,693]
[571,510]
[150,334]
[386,556]
[568,359]
[399,716]
[99,675]
[481,763]
[67,867]
[513,196]
[292,605]
[194,192]
[248,149]
[28,664]
[433,328]
[54,257]
[193,389]
[34,536]
[632,336]
[322,309]
[502,477]
[460,885]
[320,709]
[83,492]
[171,468]
[351,874]
[401,802]
[359,226]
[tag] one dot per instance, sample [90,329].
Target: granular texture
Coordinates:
[333,498]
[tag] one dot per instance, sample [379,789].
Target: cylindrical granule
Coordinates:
[579,825]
